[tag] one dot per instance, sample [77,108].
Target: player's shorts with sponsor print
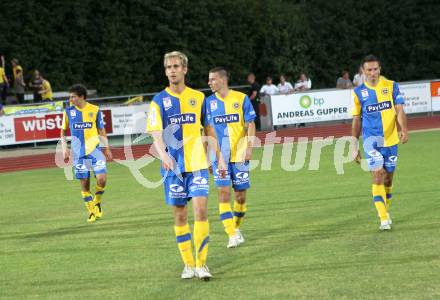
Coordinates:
[378,157]
[237,174]
[178,191]
[94,161]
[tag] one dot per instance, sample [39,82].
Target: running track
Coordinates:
[47,160]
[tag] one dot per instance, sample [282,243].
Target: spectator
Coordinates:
[4,84]
[19,86]
[253,94]
[359,78]
[15,68]
[269,88]
[344,81]
[284,86]
[303,83]
[35,85]
[46,90]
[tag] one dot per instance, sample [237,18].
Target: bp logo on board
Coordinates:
[305,101]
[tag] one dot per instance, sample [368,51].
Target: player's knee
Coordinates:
[101,181]
[240,197]
[200,214]
[224,196]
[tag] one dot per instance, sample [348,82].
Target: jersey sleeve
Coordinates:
[397,96]
[65,123]
[248,110]
[206,116]
[154,118]
[99,120]
[356,111]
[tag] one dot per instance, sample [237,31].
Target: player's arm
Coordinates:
[401,120]
[64,146]
[251,130]
[103,141]
[213,145]
[160,147]
[356,127]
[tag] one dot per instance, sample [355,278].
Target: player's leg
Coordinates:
[224,200]
[88,199]
[389,187]
[240,183]
[100,169]
[379,197]
[198,187]
[390,158]
[177,197]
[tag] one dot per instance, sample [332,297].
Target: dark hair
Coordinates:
[221,71]
[269,78]
[369,58]
[79,90]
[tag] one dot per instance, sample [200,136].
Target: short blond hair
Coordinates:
[183,58]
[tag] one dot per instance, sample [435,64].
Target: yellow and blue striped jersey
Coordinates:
[228,116]
[83,124]
[375,105]
[181,117]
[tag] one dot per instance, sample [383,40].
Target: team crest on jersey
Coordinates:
[73,113]
[91,115]
[167,103]
[236,105]
[384,91]
[192,102]
[364,93]
[213,105]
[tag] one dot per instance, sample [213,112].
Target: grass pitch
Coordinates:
[309,235]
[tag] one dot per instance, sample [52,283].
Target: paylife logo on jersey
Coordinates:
[378,107]
[182,119]
[82,125]
[224,119]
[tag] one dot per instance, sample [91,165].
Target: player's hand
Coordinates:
[210,169]
[167,162]
[248,155]
[356,154]
[222,169]
[403,135]
[108,154]
[66,155]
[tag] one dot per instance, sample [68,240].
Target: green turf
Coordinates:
[309,235]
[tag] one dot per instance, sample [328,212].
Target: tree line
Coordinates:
[117,47]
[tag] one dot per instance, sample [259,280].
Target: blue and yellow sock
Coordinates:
[239,212]
[201,241]
[183,238]
[388,191]
[99,191]
[226,218]
[379,198]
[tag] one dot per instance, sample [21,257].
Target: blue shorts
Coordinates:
[178,192]
[379,157]
[94,161]
[238,174]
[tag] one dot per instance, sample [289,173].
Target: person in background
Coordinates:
[4,84]
[303,84]
[254,95]
[344,81]
[359,78]
[284,87]
[19,86]
[46,90]
[269,88]
[35,84]
[15,68]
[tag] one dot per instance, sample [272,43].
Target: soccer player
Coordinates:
[175,119]
[378,107]
[232,115]
[86,125]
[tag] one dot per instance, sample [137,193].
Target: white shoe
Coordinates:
[389,219]
[235,240]
[385,225]
[240,236]
[188,272]
[203,273]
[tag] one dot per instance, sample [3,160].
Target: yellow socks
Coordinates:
[226,218]
[98,194]
[183,238]
[379,198]
[239,212]
[388,191]
[201,241]
[87,197]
